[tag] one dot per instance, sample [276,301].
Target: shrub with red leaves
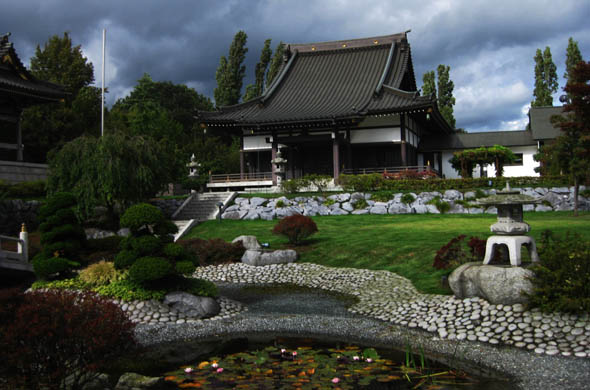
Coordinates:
[214,251]
[454,252]
[296,228]
[409,174]
[58,334]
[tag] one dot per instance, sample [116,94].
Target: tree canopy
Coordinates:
[464,161]
[442,90]
[256,89]
[51,125]
[230,72]
[545,79]
[275,64]
[115,169]
[570,153]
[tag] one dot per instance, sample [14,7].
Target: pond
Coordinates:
[305,363]
[263,359]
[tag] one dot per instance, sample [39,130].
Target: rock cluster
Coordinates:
[556,198]
[156,312]
[389,297]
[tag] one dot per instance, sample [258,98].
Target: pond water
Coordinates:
[256,361]
[304,363]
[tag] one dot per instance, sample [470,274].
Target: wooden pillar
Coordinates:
[19,139]
[403,139]
[273,156]
[348,150]
[440,168]
[336,154]
[291,162]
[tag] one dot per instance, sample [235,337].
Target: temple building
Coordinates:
[19,89]
[336,107]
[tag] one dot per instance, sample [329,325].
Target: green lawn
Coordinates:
[405,244]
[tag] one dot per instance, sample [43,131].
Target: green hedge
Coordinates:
[376,182]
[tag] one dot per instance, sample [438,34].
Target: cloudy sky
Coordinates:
[489,45]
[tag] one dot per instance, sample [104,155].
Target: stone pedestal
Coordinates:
[514,244]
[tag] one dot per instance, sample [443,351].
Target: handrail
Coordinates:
[361,171]
[233,177]
[22,253]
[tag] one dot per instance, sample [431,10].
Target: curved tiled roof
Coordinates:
[16,79]
[330,81]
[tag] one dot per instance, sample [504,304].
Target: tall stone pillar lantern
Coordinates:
[193,169]
[510,229]
[280,164]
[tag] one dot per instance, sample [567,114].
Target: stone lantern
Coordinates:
[193,169]
[510,229]
[280,164]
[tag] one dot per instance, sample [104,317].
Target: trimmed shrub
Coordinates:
[128,290]
[174,251]
[62,237]
[146,245]
[56,335]
[455,253]
[296,228]
[99,274]
[441,205]
[184,267]
[141,216]
[104,244]
[360,203]
[214,251]
[148,269]
[562,277]
[125,259]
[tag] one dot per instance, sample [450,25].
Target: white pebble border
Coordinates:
[389,297]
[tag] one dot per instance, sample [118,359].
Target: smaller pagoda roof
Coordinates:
[17,81]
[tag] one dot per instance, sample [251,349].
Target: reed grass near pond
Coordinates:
[404,244]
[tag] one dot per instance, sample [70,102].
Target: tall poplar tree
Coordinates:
[429,83]
[442,90]
[446,100]
[545,79]
[275,64]
[256,89]
[230,72]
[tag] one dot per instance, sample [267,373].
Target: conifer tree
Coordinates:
[572,57]
[545,79]
[255,90]
[230,72]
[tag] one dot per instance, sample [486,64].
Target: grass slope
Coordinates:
[404,244]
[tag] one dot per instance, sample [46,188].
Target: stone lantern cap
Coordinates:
[279,159]
[508,196]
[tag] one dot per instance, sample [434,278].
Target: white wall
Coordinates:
[256,142]
[527,168]
[391,134]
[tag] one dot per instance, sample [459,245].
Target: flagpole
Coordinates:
[104,38]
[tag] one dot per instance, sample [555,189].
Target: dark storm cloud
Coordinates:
[489,45]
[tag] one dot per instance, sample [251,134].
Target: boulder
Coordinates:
[378,209]
[356,196]
[419,208]
[252,214]
[257,201]
[542,207]
[452,195]
[133,381]
[249,242]
[496,284]
[432,209]
[360,212]
[347,206]
[258,257]
[234,214]
[344,197]
[233,207]
[456,208]
[191,305]
[282,212]
[399,208]
[338,211]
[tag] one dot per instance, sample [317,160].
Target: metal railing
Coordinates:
[415,168]
[22,253]
[236,177]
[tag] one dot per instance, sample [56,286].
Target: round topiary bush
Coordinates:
[141,216]
[147,269]
[125,258]
[145,245]
[296,228]
[184,267]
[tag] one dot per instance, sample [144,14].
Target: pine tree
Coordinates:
[429,84]
[446,100]
[545,79]
[230,73]
[275,64]
[255,90]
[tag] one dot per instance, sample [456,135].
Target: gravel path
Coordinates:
[390,312]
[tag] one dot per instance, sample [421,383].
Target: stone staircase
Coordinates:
[198,208]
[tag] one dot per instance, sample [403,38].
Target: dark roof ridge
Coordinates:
[494,131]
[401,92]
[339,50]
[7,48]
[348,43]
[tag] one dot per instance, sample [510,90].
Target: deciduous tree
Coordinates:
[442,89]
[545,79]
[429,83]
[275,64]
[255,90]
[230,73]
[51,125]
